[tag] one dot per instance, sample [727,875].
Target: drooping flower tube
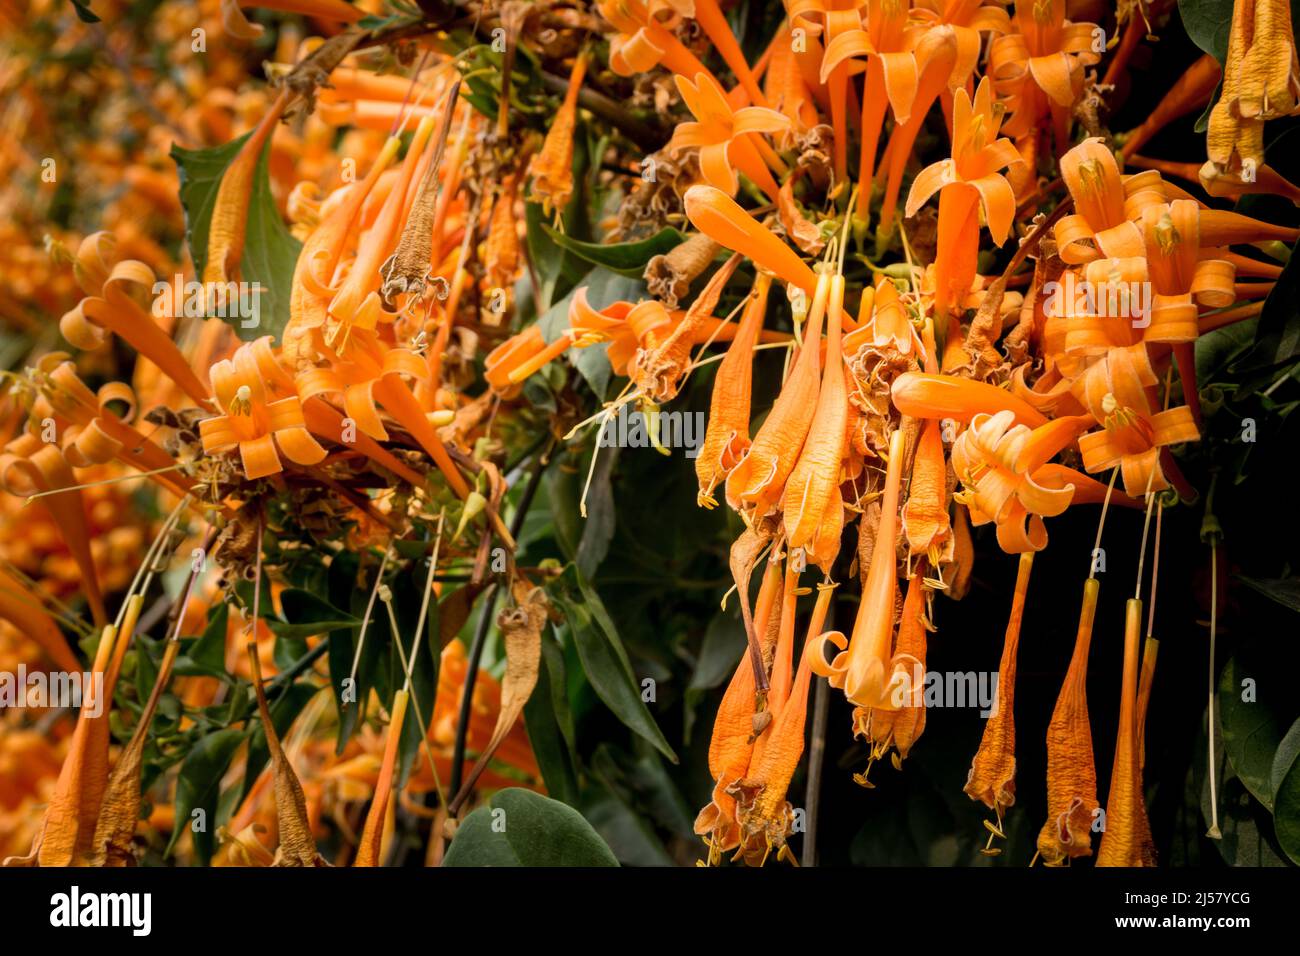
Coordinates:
[757,483]
[812,505]
[861,668]
[726,438]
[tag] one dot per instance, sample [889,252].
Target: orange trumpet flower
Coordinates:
[764,814]
[969,178]
[812,505]
[861,668]
[718,216]
[998,462]
[1126,840]
[261,428]
[726,439]
[925,395]
[992,778]
[724,135]
[758,481]
[1038,67]
[1115,393]
[1071,774]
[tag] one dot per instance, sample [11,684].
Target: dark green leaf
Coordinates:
[624,258]
[84,13]
[1208,23]
[306,615]
[1285,591]
[1286,793]
[550,725]
[1253,728]
[197,787]
[605,661]
[724,642]
[522,828]
[270,250]
[207,655]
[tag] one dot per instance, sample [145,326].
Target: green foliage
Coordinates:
[521,828]
[270,250]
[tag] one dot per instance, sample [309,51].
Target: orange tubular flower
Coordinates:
[724,135]
[658,371]
[925,516]
[230,210]
[237,25]
[1261,81]
[1126,840]
[365,364]
[31,620]
[891,80]
[357,303]
[764,814]
[92,432]
[368,852]
[787,91]
[718,216]
[1179,273]
[1071,774]
[552,169]
[630,329]
[259,427]
[862,667]
[812,505]
[992,778]
[1114,391]
[758,481]
[1038,68]
[312,289]
[900,728]
[726,439]
[998,462]
[643,42]
[829,19]
[732,743]
[936,56]
[968,19]
[924,395]
[1100,226]
[110,306]
[967,179]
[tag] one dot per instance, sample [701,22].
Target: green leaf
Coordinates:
[623,258]
[550,724]
[1286,793]
[1208,23]
[1253,728]
[270,250]
[627,832]
[84,13]
[207,655]
[522,828]
[197,787]
[724,642]
[1285,591]
[1277,338]
[605,661]
[1248,835]
[306,615]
